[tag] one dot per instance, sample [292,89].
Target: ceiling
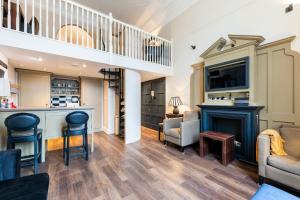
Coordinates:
[149,15]
[60,65]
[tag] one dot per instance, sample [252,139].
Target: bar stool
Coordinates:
[77,125]
[21,128]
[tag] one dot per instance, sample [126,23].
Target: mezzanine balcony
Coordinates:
[54,24]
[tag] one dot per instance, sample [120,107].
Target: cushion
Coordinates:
[174,132]
[190,115]
[268,192]
[286,163]
[291,135]
[25,133]
[76,127]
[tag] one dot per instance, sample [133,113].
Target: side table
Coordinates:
[227,141]
[171,115]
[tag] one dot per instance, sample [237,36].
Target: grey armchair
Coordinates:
[283,169]
[182,131]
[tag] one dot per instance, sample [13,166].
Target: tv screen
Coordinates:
[228,76]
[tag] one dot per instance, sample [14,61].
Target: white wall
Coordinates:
[132,106]
[108,109]
[11,74]
[4,59]
[208,20]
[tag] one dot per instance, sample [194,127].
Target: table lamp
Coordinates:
[175,102]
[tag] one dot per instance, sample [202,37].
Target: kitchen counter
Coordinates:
[44,109]
[52,121]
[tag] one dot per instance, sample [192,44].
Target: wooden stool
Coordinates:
[227,145]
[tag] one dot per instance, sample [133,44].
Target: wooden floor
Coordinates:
[146,170]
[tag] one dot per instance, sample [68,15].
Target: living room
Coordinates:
[192,99]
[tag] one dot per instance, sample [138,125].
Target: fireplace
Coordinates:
[241,121]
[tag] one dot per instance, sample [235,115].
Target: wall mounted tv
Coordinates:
[231,75]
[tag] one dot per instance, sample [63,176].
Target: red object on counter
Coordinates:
[12,105]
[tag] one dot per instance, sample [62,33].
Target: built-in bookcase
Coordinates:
[63,90]
[66,86]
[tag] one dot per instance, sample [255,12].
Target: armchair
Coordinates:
[283,169]
[10,164]
[182,131]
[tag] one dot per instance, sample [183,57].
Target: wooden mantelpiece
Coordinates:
[273,77]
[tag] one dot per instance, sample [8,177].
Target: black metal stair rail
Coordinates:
[115,78]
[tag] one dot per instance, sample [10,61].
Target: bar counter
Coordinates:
[52,121]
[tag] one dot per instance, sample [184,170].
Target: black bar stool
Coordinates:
[77,125]
[21,128]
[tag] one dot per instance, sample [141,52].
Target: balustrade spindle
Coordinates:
[92,30]
[9,14]
[87,28]
[77,21]
[71,40]
[60,36]
[82,26]
[41,20]
[18,16]
[47,18]
[53,23]
[97,35]
[66,21]
[1,13]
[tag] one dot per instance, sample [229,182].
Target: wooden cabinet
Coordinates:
[92,96]
[34,89]
[153,108]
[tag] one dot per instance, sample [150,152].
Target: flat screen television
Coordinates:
[231,75]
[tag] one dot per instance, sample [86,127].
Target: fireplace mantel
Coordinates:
[242,121]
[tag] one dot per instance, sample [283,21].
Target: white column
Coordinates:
[132,106]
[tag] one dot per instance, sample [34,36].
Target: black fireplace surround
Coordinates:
[241,121]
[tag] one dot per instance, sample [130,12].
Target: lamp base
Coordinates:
[175,110]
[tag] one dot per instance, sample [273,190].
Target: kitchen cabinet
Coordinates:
[34,89]
[92,96]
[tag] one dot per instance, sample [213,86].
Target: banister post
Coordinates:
[171,59]
[110,38]
[1,13]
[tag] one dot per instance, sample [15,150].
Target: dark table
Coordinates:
[34,187]
[171,115]
[227,141]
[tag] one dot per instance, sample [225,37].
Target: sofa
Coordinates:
[182,131]
[282,169]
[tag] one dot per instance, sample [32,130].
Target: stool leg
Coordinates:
[36,170]
[40,150]
[68,150]
[64,147]
[159,130]
[86,147]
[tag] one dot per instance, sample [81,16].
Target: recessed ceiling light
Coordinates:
[39,59]
[21,65]
[45,68]
[75,65]
[84,66]
[79,73]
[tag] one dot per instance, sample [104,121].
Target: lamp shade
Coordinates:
[4,87]
[175,101]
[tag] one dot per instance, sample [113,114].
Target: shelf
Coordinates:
[66,87]
[65,95]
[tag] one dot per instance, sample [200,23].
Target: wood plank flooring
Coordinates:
[146,170]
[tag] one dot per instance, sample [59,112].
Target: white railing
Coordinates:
[76,24]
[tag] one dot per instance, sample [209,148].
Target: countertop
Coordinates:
[45,109]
